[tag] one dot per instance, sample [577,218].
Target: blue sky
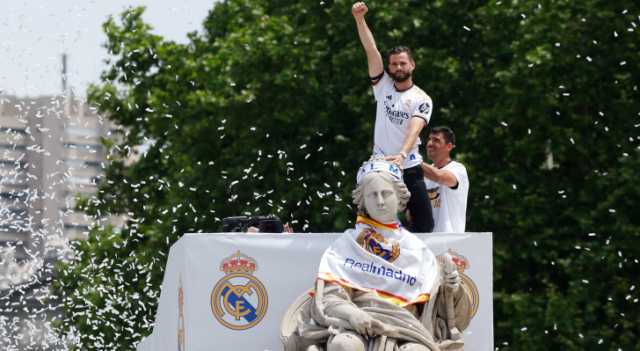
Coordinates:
[35,33]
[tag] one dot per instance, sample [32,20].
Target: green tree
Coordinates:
[267,110]
[552,144]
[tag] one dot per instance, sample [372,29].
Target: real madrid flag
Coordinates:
[383,258]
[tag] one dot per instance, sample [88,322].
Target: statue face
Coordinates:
[380,200]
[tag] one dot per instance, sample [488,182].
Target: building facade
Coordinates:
[50,153]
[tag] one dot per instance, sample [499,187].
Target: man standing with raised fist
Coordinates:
[403,110]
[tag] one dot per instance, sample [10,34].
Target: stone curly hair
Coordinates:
[402,193]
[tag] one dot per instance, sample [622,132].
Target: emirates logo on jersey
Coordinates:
[395,116]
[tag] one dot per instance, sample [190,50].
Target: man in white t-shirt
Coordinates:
[447,182]
[403,110]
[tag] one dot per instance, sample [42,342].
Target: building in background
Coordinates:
[50,153]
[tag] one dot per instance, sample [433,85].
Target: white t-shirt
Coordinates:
[393,112]
[449,204]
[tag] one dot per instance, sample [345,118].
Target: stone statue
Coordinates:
[379,287]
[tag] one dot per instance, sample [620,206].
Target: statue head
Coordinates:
[380,192]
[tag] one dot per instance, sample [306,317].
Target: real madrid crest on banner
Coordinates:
[376,244]
[239,300]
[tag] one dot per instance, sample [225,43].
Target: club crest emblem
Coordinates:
[434,196]
[376,244]
[239,300]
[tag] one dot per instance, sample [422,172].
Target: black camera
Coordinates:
[265,224]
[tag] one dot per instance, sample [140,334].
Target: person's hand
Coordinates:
[363,323]
[398,160]
[287,228]
[359,9]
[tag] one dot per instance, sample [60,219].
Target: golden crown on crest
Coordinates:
[238,263]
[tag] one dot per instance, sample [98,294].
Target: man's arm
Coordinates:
[374,59]
[416,124]
[441,176]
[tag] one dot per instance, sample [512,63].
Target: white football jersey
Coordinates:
[449,205]
[394,110]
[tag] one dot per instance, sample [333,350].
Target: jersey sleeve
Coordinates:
[460,172]
[378,88]
[423,108]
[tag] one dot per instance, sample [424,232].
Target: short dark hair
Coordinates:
[398,50]
[449,135]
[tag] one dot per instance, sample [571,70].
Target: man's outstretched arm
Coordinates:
[374,59]
[442,176]
[416,124]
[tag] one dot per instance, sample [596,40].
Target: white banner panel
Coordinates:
[228,291]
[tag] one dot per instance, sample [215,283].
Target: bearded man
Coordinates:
[403,110]
[379,287]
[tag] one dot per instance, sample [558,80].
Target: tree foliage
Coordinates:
[268,110]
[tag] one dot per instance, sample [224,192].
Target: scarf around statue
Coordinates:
[382,258]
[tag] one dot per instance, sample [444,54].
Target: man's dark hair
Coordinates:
[449,135]
[399,50]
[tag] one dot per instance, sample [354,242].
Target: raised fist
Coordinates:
[359,9]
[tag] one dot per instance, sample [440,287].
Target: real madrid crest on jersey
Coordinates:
[376,244]
[239,301]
